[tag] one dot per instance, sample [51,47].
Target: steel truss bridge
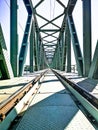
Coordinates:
[49,88]
[50,44]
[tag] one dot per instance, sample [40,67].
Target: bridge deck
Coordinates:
[52,108]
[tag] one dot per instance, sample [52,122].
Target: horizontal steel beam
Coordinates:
[49,30]
[46,19]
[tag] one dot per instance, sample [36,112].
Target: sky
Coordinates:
[22,16]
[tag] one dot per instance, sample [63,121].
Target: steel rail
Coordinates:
[8,104]
[89,101]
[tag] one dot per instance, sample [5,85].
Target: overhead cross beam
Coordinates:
[46,20]
[61,3]
[52,20]
[38,4]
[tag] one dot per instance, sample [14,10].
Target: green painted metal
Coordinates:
[40,56]
[49,30]
[48,35]
[59,58]
[87,51]
[35,53]
[32,48]
[38,4]
[62,41]
[76,46]
[93,73]
[5,66]
[60,52]
[70,6]
[64,52]
[24,46]
[46,20]
[52,21]
[68,48]
[60,48]
[13,37]
[37,48]
[61,3]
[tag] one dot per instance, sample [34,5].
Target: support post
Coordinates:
[68,43]
[31,47]
[13,37]
[86,36]
[93,73]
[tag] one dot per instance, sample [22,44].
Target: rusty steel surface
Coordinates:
[9,103]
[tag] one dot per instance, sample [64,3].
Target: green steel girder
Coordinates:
[93,73]
[68,47]
[76,46]
[32,47]
[61,3]
[70,6]
[13,37]
[64,57]
[50,41]
[50,45]
[35,57]
[49,35]
[38,48]
[23,51]
[52,21]
[49,30]
[49,51]
[49,48]
[41,57]
[5,66]
[68,10]
[28,5]
[60,50]
[38,4]
[63,49]
[60,53]
[46,20]
[87,50]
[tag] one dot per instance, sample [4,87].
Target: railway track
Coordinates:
[10,108]
[89,102]
[7,107]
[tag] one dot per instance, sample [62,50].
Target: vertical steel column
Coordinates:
[62,49]
[32,47]
[68,43]
[37,48]
[35,52]
[60,54]
[59,58]
[13,37]
[40,48]
[86,36]
[64,52]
